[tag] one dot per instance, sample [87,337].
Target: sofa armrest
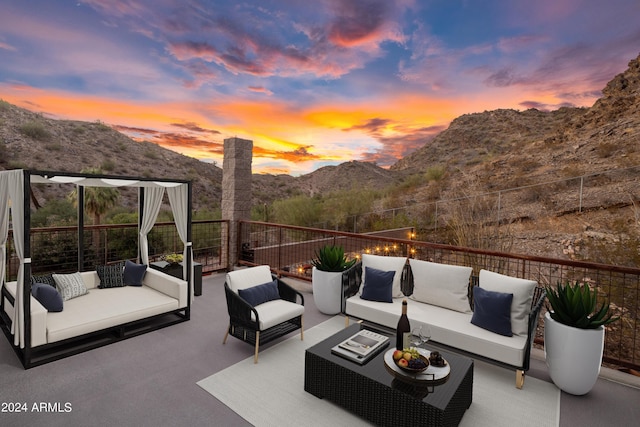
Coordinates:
[351,281]
[539,295]
[167,284]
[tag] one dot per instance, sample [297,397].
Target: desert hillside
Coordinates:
[488,152]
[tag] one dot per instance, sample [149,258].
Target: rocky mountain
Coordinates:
[479,153]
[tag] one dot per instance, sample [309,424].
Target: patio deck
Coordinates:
[150,380]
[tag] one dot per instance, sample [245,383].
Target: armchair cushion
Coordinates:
[492,311]
[259,294]
[378,286]
[248,277]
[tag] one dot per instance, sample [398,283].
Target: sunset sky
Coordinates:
[312,83]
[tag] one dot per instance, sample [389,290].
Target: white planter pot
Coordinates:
[327,287]
[573,355]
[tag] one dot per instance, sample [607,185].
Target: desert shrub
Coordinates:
[4,105]
[57,212]
[4,154]
[435,173]
[300,210]
[108,165]
[34,130]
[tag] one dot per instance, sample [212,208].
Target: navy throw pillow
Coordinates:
[378,285]
[257,295]
[492,311]
[133,273]
[48,296]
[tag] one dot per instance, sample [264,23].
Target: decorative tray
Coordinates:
[432,375]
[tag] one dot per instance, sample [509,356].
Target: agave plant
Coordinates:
[332,258]
[575,305]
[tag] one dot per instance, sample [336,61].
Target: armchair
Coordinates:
[255,321]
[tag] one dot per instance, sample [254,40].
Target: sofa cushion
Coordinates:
[378,286]
[448,327]
[443,285]
[522,291]
[133,273]
[43,278]
[256,295]
[492,311]
[48,296]
[111,276]
[70,285]
[385,263]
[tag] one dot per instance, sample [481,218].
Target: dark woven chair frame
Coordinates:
[244,321]
[352,278]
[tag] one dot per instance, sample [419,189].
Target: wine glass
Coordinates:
[416,337]
[425,334]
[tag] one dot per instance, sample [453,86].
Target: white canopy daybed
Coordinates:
[15,187]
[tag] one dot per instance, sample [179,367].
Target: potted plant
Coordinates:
[574,336]
[326,277]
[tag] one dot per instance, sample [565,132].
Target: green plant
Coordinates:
[34,130]
[173,258]
[575,305]
[332,258]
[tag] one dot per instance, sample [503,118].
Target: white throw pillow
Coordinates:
[70,285]
[443,285]
[385,263]
[522,290]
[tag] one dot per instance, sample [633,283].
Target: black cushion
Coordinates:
[259,294]
[111,276]
[492,311]
[378,285]
[48,296]
[133,273]
[43,278]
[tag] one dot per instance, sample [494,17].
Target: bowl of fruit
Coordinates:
[410,360]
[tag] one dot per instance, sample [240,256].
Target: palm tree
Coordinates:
[97,201]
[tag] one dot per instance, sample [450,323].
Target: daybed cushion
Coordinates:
[443,285]
[111,276]
[70,285]
[133,273]
[104,308]
[385,263]
[256,295]
[378,286]
[48,296]
[492,311]
[522,290]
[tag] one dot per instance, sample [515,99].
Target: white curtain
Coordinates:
[13,185]
[4,224]
[179,199]
[150,209]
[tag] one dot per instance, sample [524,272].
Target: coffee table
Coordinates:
[370,391]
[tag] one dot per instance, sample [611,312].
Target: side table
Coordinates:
[175,270]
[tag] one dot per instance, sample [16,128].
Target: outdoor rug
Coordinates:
[271,393]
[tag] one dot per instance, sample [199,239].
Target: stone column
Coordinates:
[236,190]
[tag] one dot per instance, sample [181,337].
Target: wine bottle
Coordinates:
[404,329]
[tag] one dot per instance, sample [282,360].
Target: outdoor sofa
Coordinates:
[498,325]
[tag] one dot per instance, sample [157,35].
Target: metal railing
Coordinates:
[290,249]
[55,249]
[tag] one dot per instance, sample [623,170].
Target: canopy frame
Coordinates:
[15,197]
